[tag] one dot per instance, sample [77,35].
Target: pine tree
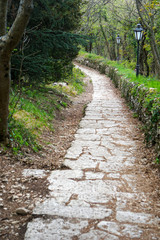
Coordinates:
[49,44]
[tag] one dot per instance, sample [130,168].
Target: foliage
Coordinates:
[76,80]
[72,85]
[104,20]
[21,138]
[149,82]
[152,107]
[49,44]
[33,109]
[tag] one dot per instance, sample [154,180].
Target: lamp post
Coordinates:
[138,35]
[118,42]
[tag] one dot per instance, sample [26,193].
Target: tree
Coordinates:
[148,10]
[106,19]
[8,41]
[92,26]
[49,44]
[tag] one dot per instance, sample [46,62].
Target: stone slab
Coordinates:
[50,207]
[122,230]
[54,229]
[134,217]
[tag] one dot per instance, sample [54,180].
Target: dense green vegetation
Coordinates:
[149,82]
[33,108]
[43,56]
[103,20]
[49,44]
[42,51]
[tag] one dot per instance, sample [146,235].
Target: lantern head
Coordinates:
[138,32]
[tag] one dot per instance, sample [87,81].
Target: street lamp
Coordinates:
[118,42]
[138,35]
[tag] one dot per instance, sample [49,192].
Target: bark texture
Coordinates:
[3,16]
[7,44]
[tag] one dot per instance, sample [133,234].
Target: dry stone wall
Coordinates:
[141,99]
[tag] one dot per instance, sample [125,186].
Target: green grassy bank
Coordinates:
[33,108]
[149,82]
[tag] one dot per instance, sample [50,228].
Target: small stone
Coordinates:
[28,195]
[4,180]
[22,211]
[1,202]
[158,214]
[19,194]
[15,222]
[12,191]
[15,197]
[31,207]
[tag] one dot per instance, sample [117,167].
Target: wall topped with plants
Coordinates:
[145,101]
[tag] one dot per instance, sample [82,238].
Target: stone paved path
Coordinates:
[97,197]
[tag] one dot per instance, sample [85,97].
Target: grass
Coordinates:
[32,110]
[74,85]
[91,56]
[149,82]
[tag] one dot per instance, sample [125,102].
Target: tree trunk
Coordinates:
[141,58]
[144,58]
[113,50]
[106,40]
[4,96]
[124,45]
[141,63]
[155,52]
[148,24]
[7,44]
[90,46]
[105,36]
[3,17]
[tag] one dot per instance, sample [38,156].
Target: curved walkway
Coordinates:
[99,195]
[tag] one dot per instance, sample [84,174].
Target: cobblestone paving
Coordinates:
[96,198]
